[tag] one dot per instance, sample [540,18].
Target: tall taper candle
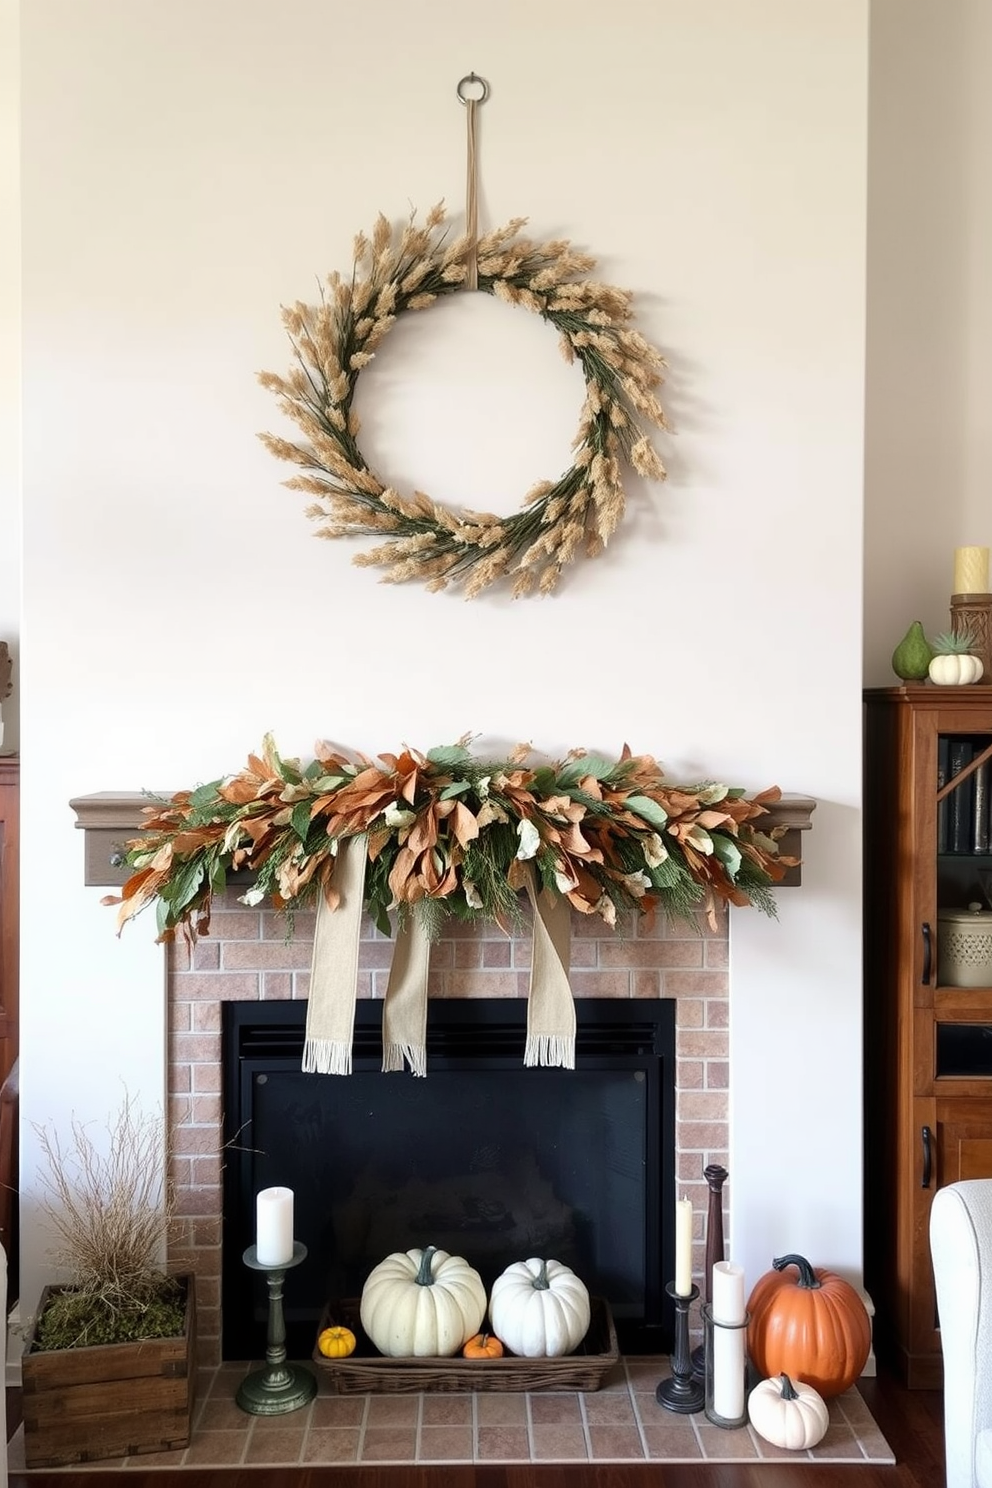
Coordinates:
[971,571]
[274,1226]
[683,1246]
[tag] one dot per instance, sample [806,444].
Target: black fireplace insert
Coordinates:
[483,1158]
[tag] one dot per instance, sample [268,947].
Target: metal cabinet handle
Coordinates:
[927,1135]
[927,952]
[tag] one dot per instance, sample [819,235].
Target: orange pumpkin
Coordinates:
[813,1327]
[336,1342]
[483,1346]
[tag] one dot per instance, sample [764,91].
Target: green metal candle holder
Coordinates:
[279,1387]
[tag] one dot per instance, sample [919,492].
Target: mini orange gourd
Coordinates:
[813,1327]
[336,1342]
[483,1346]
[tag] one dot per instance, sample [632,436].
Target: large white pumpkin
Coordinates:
[422,1304]
[540,1309]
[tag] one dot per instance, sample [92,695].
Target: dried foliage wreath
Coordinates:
[334,340]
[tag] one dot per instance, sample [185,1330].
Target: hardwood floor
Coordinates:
[912,1421]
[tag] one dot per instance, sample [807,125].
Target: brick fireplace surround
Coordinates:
[248,957]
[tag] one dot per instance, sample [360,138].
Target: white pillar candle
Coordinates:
[274,1226]
[683,1246]
[728,1292]
[728,1372]
[728,1342]
[971,571]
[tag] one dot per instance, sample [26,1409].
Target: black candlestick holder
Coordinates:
[716,1176]
[681,1393]
[279,1387]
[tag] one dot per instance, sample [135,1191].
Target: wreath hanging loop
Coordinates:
[406,269]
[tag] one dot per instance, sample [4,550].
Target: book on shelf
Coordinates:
[980,828]
[943,810]
[961,800]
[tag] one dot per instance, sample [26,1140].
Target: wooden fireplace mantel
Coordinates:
[111,818]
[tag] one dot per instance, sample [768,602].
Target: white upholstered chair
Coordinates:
[961,1249]
[3,1359]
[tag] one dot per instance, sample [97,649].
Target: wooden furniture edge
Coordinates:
[110,819]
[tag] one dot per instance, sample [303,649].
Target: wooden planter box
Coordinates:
[112,1400]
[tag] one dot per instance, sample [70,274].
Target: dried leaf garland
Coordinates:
[449,834]
[334,340]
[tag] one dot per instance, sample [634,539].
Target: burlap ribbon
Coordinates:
[334,980]
[550,1007]
[334,967]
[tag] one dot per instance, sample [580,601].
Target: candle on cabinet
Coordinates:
[971,571]
[274,1226]
[728,1341]
[683,1246]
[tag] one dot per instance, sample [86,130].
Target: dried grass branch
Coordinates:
[111,1210]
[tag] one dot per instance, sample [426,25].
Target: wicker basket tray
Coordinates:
[367,1372]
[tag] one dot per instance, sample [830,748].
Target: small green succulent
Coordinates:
[954,643]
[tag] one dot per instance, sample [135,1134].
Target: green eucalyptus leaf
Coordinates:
[380,917]
[729,854]
[182,888]
[449,756]
[205,795]
[592,764]
[646,809]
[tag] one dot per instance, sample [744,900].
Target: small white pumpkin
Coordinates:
[788,1414]
[956,671]
[540,1309]
[422,1304]
[953,663]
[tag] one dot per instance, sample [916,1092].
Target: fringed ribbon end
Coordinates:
[547,1048]
[394,1056]
[326,1057]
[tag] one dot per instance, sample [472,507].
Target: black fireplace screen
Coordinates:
[484,1158]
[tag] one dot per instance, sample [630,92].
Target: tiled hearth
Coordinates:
[622,1422]
[248,957]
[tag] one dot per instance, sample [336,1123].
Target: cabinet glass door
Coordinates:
[964,860]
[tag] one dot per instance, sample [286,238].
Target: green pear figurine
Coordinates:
[912,657]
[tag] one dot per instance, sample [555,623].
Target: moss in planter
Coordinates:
[79,1320]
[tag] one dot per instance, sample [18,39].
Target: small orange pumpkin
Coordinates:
[483,1346]
[336,1342]
[815,1327]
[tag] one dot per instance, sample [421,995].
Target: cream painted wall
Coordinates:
[928,468]
[10,334]
[189,167]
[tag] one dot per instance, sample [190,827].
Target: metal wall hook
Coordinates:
[473,81]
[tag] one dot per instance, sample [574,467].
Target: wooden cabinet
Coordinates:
[927,992]
[9,910]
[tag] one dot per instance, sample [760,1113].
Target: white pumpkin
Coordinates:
[788,1414]
[422,1304]
[956,670]
[540,1309]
